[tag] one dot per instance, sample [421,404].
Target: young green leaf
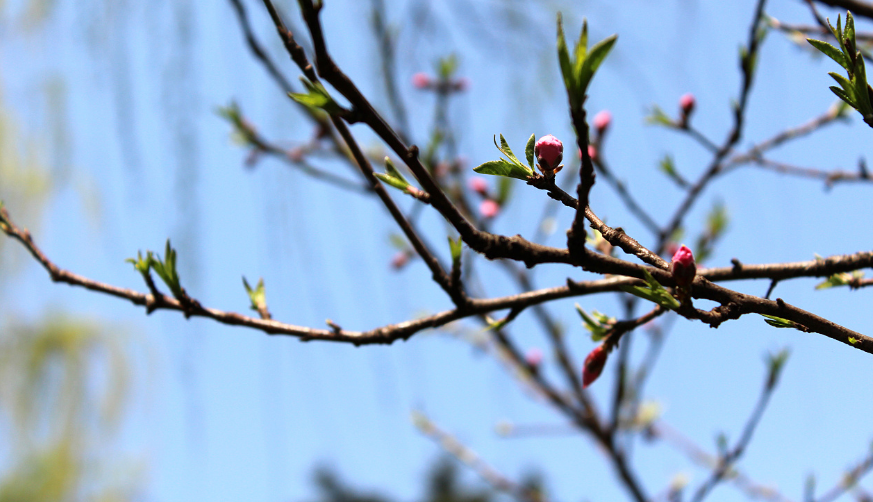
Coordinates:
[258,295]
[504,148]
[831,52]
[595,56]
[392,181]
[392,171]
[504,189]
[529,150]
[503,168]
[654,292]
[564,61]
[581,47]
[455,248]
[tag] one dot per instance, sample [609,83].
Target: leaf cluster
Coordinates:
[854,90]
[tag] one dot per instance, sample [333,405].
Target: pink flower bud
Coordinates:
[533,357]
[399,260]
[683,267]
[592,152]
[488,208]
[686,103]
[601,121]
[478,185]
[593,365]
[295,154]
[421,80]
[549,152]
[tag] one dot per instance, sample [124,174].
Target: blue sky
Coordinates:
[136,154]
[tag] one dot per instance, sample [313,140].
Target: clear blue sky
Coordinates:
[136,155]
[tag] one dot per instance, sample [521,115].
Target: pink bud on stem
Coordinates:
[686,105]
[593,365]
[534,357]
[478,185]
[421,80]
[601,122]
[489,208]
[683,270]
[549,152]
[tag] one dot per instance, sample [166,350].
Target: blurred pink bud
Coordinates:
[672,247]
[478,185]
[488,208]
[592,152]
[399,260]
[593,365]
[295,154]
[601,121]
[686,103]
[549,152]
[421,80]
[533,357]
[683,267]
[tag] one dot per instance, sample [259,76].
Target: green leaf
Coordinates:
[842,95]
[841,279]
[853,340]
[392,171]
[596,56]
[258,295]
[658,117]
[142,265]
[317,97]
[581,47]
[504,189]
[529,150]
[504,148]
[654,292]
[391,180]
[166,269]
[849,36]
[503,168]
[564,61]
[831,52]
[398,241]
[778,322]
[847,86]
[455,247]
[597,324]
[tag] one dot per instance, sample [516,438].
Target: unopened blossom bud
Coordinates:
[601,121]
[683,267]
[399,260]
[592,152]
[421,80]
[489,208]
[533,357]
[478,185]
[549,152]
[686,103]
[593,365]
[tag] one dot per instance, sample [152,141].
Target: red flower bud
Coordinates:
[601,121]
[549,152]
[683,267]
[488,208]
[421,80]
[593,365]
